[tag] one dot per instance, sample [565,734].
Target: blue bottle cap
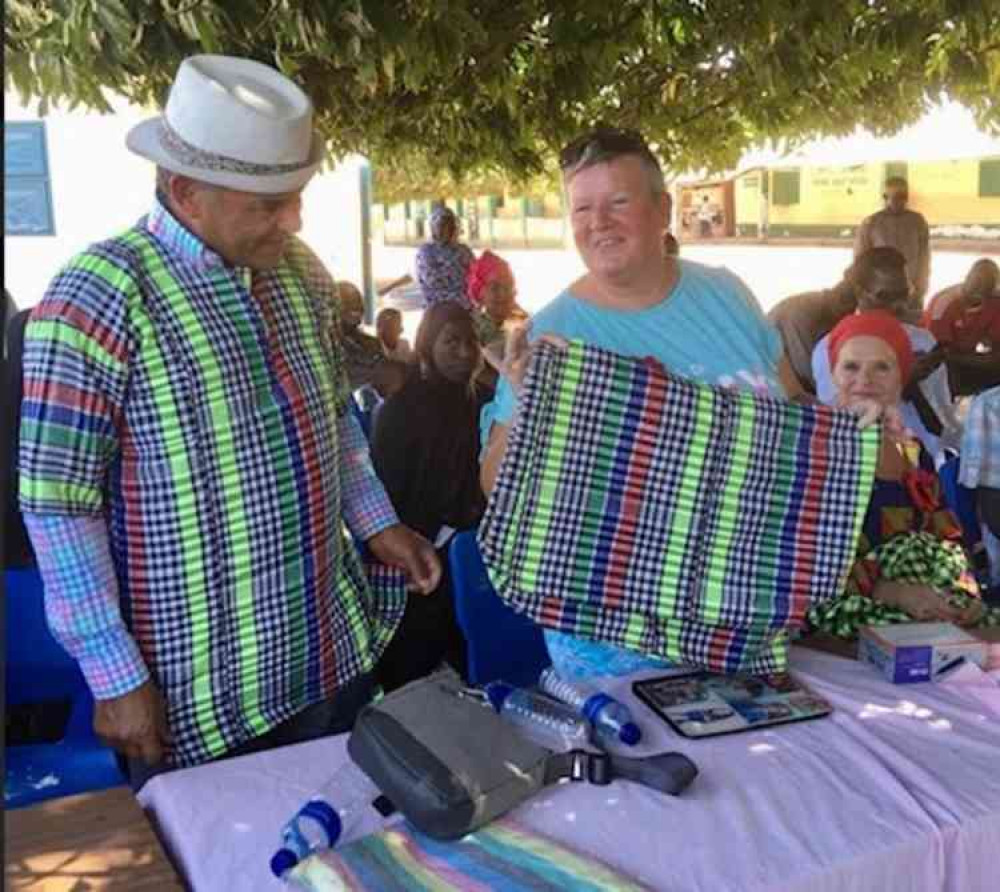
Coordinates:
[282,861]
[498,691]
[630,733]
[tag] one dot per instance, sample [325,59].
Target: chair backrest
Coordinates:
[16,547]
[961,500]
[37,667]
[501,643]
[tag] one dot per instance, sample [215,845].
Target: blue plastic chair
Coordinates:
[962,501]
[38,670]
[501,643]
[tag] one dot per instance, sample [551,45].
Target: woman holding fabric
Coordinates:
[910,561]
[698,321]
[425,449]
[443,262]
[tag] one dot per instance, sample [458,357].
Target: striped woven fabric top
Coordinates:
[501,857]
[198,406]
[671,517]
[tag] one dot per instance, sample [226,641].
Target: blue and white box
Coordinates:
[912,652]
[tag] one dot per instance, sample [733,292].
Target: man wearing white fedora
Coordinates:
[188,458]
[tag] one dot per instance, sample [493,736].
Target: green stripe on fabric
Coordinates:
[591,547]
[551,471]
[234,497]
[192,561]
[728,512]
[300,635]
[687,496]
[784,480]
[59,492]
[61,332]
[63,436]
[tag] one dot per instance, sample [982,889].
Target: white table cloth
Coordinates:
[898,790]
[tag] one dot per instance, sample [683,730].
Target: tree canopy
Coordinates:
[433,92]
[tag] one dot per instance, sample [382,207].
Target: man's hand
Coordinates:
[134,723]
[399,546]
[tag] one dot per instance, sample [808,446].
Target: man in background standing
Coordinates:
[895,226]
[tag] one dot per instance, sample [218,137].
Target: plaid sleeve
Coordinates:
[81,601]
[76,350]
[365,504]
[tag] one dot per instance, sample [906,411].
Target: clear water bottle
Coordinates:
[611,719]
[543,720]
[346,807]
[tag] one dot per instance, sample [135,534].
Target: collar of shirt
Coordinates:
[181,241]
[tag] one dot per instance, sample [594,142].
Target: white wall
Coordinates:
[99,188]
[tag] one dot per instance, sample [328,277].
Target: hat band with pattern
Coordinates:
[191,156]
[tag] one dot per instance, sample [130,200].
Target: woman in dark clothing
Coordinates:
[426,451]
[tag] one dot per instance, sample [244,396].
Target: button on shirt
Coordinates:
[203,412]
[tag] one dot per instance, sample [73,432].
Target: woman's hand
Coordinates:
[517,354]
[870,411]
[924,603]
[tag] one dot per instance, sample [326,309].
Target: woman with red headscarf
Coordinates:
[491,292]
[910,561]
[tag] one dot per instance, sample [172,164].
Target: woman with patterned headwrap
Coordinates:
[491,292]
[443,262]
[910,561]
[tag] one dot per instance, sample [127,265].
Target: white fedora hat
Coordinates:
[235,123]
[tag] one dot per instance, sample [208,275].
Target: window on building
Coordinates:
[27,188]
[989,178]
[786,186]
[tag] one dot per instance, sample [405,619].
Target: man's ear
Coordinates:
[185,196]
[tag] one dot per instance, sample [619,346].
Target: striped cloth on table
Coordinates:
[501,857]
[671,517]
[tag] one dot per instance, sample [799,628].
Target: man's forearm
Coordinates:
[365,505]
[82,601]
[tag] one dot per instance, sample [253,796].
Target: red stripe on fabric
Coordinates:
[624,541]
[50,392]
[312,481]
[62,310]
[136,562]
[807,529]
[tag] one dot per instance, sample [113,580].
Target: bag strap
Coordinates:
[669,773]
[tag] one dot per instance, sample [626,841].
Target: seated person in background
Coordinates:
[881,283]
[389,330]
[362,352]
[425,447]
[671,247]
[968,327]
[698,321]
[387,380]
[803,319]
[910,561]
[980,469]
[491,291]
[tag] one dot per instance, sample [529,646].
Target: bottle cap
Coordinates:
[282,861]
[630,734]
[498,692]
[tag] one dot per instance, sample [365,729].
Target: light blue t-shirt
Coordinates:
[711,329]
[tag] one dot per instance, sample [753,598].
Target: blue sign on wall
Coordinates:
[27,201]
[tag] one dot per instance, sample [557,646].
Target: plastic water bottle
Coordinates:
[611,719]
[342,810]
[547,722]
